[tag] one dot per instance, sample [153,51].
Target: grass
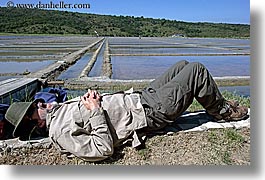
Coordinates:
[245,101]
[144,153]
[224,143]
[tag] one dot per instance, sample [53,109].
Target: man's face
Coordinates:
[35,119]
[40,114]
[36,115]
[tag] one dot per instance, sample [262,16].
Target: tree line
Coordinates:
[38,21]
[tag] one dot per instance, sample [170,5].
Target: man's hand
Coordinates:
[91,100]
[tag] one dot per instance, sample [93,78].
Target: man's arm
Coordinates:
[94,144]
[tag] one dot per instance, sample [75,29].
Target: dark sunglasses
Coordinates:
[36,105]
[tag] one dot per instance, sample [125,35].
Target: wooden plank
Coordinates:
[15,84]
[51,83]
[18,89]
[7,81]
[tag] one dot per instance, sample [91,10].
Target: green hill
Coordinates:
[37,21]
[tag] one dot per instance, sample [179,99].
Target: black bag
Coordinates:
[6,128]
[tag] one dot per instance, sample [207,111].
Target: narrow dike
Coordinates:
[53,70]
[91,63]
[107,66]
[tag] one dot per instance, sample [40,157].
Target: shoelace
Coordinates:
[225,109]
[234,106]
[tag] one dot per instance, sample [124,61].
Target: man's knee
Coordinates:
[180,64]
[197,65]
[184,62]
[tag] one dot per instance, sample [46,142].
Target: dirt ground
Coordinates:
[211,147]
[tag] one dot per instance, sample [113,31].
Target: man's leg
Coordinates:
[169,74]
[164,104]
[193,81]
[150,101]
[172,99]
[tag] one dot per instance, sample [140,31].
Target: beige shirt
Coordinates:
[92,135]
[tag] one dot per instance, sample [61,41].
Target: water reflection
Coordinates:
[182,50]
[96,70]
[150,67]
[20,67]
[75,70]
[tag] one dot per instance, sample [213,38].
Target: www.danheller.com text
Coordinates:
[50,5]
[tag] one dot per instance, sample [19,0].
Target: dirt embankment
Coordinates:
[211,147]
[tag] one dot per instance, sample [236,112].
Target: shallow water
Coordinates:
[96,70]
[192,42]
[178,45]
[25,52]
[2,78]
[20,67]
[161,50]
[75,70]
[32,48]
[150,67]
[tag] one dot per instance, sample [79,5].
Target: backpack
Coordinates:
[58,95]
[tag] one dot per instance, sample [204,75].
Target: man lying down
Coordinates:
[90,126]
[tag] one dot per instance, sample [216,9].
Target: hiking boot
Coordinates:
[232,111]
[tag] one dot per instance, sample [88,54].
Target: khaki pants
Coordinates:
[167,97]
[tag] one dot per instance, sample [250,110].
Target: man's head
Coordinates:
[29,118]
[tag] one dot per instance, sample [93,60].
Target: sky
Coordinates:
[218,11]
